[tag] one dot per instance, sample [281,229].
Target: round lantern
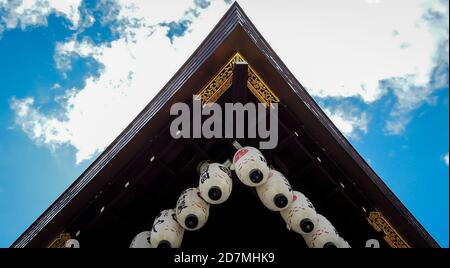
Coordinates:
[191,211]
[323,236]
[166,232]
[251,166]
[215,183]
[72,243]
[142,240]
[300,216]
[276,194]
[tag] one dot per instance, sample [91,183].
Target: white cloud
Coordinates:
[344,50]
[56,86]
[397,126]
[334,49]
[65,51]
[445,158]
[358,48]
[136,67]
[26,13]
[152,14]
[41,128]
[410,96]
[349,121]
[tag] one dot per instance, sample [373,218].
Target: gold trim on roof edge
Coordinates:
[60,241]
[380,224]
[223,80]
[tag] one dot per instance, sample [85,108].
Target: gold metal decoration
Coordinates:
[260,89]
[220,83]
[60,241]
[223,80]
[380,224]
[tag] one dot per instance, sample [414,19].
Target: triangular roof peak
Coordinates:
[233,37]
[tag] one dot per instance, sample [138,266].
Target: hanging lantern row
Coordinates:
[215,186]
[192,209]
[276,193]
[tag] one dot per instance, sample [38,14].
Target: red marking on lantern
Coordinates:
[240,154]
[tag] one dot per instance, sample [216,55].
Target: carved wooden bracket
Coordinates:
[392,237]
[223,80]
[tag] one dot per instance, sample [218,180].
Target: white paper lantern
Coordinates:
[276,194]
[300,216]
[215,183]
[323,236]
[72,243]
[142,240]
[251,166]
[166,232]
[192,211]
[342,243]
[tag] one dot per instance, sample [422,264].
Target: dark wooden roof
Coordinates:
[127,158]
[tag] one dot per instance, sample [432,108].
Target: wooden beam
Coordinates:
[239,91]
[239,87]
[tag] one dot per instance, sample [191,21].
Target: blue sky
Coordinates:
[67,65]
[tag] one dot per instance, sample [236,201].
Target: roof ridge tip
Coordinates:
[236,5]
